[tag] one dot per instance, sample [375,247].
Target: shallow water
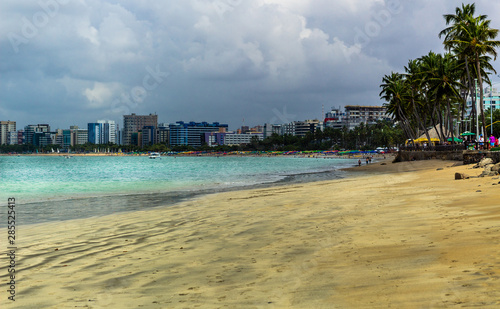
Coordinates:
[57,188]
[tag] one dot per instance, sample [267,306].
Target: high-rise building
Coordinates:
[270,129]
[60,137]
[67,139]
[300,128]
[95,134]
[357,114]
[163,134]
[102,132]
[20,137]
[31,129]
[12,138]
[41,139]
[192,133]
[335,119]
[239,139]
[5,128]
[77,136]
[134,123]
[148,136]
[109,131]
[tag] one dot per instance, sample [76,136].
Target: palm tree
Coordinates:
[413,79]
[446,87]
[430,63]
[461,15]
[472,37]
[395,93]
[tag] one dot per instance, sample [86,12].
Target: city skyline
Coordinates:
[264,61]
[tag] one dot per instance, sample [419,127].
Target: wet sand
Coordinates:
[402,235]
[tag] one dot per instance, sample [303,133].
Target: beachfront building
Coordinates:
[95,134]
[42,139]
[354,115]
[491,99]
[215,138]
[134,124]
[148,136]
[59,137]
[300,128]
[163,134]
[192,133]
[67,139]
[109,128]
[31,129]
[20,137]
[102,132]
[240,139]
[335,119]
[74,136]
[5,128]
[12,138]
[230,138]
[270,129]
[357,114]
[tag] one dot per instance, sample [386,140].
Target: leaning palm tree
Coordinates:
[472,36]
[453,21]
[430,65]
[395,93]
[446,87]
[413,79]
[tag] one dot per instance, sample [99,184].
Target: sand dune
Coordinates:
[401,235]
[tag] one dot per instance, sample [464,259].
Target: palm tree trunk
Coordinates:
[450,120]
[481,103]
[474,111]
[419,121]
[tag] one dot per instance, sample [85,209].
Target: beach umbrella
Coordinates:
[455,139]
[425,140]
[467,133]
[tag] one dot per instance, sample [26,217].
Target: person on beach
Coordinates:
[492,141]
[359,162]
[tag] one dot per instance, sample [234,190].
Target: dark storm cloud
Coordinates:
[73,62]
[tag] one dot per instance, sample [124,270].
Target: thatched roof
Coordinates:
[433,133]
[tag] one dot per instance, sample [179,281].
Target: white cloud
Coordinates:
[101,95]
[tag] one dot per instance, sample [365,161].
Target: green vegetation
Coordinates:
[364,137]
[432,92]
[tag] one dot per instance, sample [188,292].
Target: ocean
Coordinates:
[55,188]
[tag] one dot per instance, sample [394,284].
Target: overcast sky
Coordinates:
[73,62]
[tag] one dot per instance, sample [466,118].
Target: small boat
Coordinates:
[155,155]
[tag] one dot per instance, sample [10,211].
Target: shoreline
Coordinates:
[409,237]
[154,200]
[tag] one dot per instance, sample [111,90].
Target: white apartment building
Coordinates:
[5,128]
[238,139]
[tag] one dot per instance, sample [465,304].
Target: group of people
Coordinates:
[492,141]
[368,160]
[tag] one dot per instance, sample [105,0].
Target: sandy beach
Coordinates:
[403,235]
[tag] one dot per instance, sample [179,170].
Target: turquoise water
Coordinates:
[39,179]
